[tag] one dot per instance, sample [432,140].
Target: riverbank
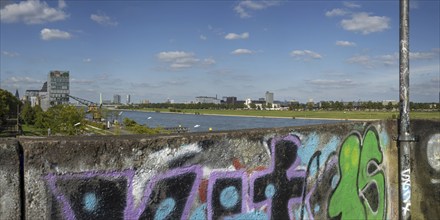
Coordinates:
[310,115]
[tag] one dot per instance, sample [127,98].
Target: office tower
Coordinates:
[128,99]
[269,97]
[116,99]
[100,98]
[58,87]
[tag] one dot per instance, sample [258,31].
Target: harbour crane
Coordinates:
[92,107]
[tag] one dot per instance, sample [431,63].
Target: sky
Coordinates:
[177,50]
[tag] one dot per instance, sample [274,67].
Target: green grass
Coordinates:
[367,115]
[31,130]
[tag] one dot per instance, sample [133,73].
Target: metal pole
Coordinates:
[405,138]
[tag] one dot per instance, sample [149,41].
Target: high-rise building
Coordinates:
[269,97]
[58,87]
[128,99]
[116,99]
[231,100]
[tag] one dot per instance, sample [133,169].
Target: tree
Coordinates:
[8,106]
[252,106]
[61,119]
[27,114]
[389,106]
[136,128]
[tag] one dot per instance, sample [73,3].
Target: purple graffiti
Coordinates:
[180,184]
[69,204]
[282,191]
[226,194]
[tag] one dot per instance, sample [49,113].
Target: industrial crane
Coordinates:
[93,108]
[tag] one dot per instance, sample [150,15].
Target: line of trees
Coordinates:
[59,119]
[9,105]
[136,128]
[324,105]
[182,106]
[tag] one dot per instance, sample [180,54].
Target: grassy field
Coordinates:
[366,115]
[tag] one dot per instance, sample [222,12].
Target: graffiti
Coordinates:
[360,193]
[92,195]
[226,194]
[406,191]
[433,155]
[282,185]
[297,184]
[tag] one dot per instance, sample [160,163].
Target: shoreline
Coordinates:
[253,116]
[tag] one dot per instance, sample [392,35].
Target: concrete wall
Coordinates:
[10,200]
[346,170]
[425,165]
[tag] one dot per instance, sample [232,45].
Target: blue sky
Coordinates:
[320,50]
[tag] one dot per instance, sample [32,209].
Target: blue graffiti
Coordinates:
[199,213]
[229,197]
[270,191]
[90,202]
[165,208]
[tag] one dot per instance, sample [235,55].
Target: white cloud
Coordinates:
[364,60]
[336,12]
[203,37]
[62,4]
[102,19]
[351,5]
[391,59]
[54,34]
[244,8]
[208,61]
[423,55]
[345,43]
[234,36]
[82,81]
[32,12]
[87,60]
[22,80]
[242,51]
[10,54]
[366,24]
[305,55]
[181,60]
[329,83]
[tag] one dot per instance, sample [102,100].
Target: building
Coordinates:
[207,100]
[44,98]
[128,99]
[58,87]
[269,97]
[116,99]
[231,100]
[32,96]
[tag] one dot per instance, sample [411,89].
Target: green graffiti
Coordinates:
[360,193]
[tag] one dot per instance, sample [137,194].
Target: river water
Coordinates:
[201,123]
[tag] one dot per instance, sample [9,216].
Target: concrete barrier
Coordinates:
[425,175]
[346,170]
[10,199]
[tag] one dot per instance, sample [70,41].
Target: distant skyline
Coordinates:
[155,50]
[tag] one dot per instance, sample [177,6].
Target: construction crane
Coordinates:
[92,107]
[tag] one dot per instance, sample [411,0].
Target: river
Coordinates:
[200,123]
